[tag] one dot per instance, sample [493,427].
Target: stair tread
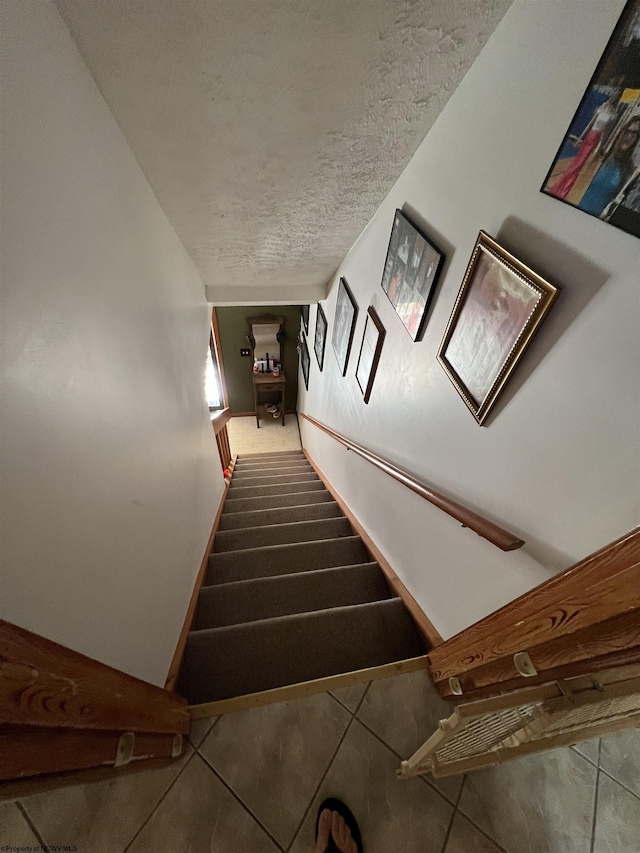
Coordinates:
[268,490]
[234,505]
[281,595]
[221,663]
[283,559]
[309,530]
[277,515]
[273,479]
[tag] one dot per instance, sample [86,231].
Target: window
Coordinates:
[213,390]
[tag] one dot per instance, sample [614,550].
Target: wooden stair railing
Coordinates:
[219,423]
[581,621]
[61,711]
[482,526]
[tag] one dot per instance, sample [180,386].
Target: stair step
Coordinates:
[281,454]
[283,595]
[271,490]
[243,473]
[282,515]
[273,463]
[281,534]
[276,501]
[221,663]
[285,559]
[274,479]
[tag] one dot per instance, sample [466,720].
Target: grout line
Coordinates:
[157,805]
[321,783]
[618,782]
[595,801]
[400,758]
[25,814]
[586,757]
[472,822]
[242,804]
[453,814]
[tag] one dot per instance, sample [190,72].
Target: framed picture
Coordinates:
[344,325]
[304,360]
[411,271]
[304,313]
[321,336]
[499,308]
[370,349]
[600,153]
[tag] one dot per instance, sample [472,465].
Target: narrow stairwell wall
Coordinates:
[110,473]
[557,464]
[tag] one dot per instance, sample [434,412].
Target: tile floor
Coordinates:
[245,437]
[253,781]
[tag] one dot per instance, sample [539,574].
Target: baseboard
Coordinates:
[306,688]
[422,621]
[174,669]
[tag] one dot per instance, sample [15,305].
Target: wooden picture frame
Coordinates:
[320,339]
[344,325]
[373,337]
[411,271]
[304,360]
[499,308]
[304,313]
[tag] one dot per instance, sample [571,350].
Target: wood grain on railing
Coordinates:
[483,527]
[45,684]
[587,614]
[219,423]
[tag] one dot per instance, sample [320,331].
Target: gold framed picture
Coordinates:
[499,308]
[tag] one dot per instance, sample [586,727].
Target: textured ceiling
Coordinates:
[271,130]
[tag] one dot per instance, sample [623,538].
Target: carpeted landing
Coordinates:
[290,593]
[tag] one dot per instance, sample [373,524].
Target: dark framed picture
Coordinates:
[304,313]
[304,360]
[410,274]
[321,336]
[499,308]
[370,349]
[344,325]
[597,168]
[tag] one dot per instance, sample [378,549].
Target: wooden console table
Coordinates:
[267,382]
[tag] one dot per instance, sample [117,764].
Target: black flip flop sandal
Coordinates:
[334,805]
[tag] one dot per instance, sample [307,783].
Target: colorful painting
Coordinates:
[598,165]
[499,308]
[410,274]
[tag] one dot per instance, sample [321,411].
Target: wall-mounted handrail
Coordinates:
[482,526]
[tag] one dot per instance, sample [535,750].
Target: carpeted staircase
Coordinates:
[290,593]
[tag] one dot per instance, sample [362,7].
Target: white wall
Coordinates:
[558,462]
[110,476]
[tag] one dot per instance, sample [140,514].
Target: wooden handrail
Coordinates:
[483,527]
[220,419]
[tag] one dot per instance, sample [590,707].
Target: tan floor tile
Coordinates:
[101,816]
[200,729]
[407,816]
[465,838]
[14,829]
[350,696]
[617,819]
[620,757]
[199,815]
[274,757]
[404,711]
[245,437]
[539,804]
